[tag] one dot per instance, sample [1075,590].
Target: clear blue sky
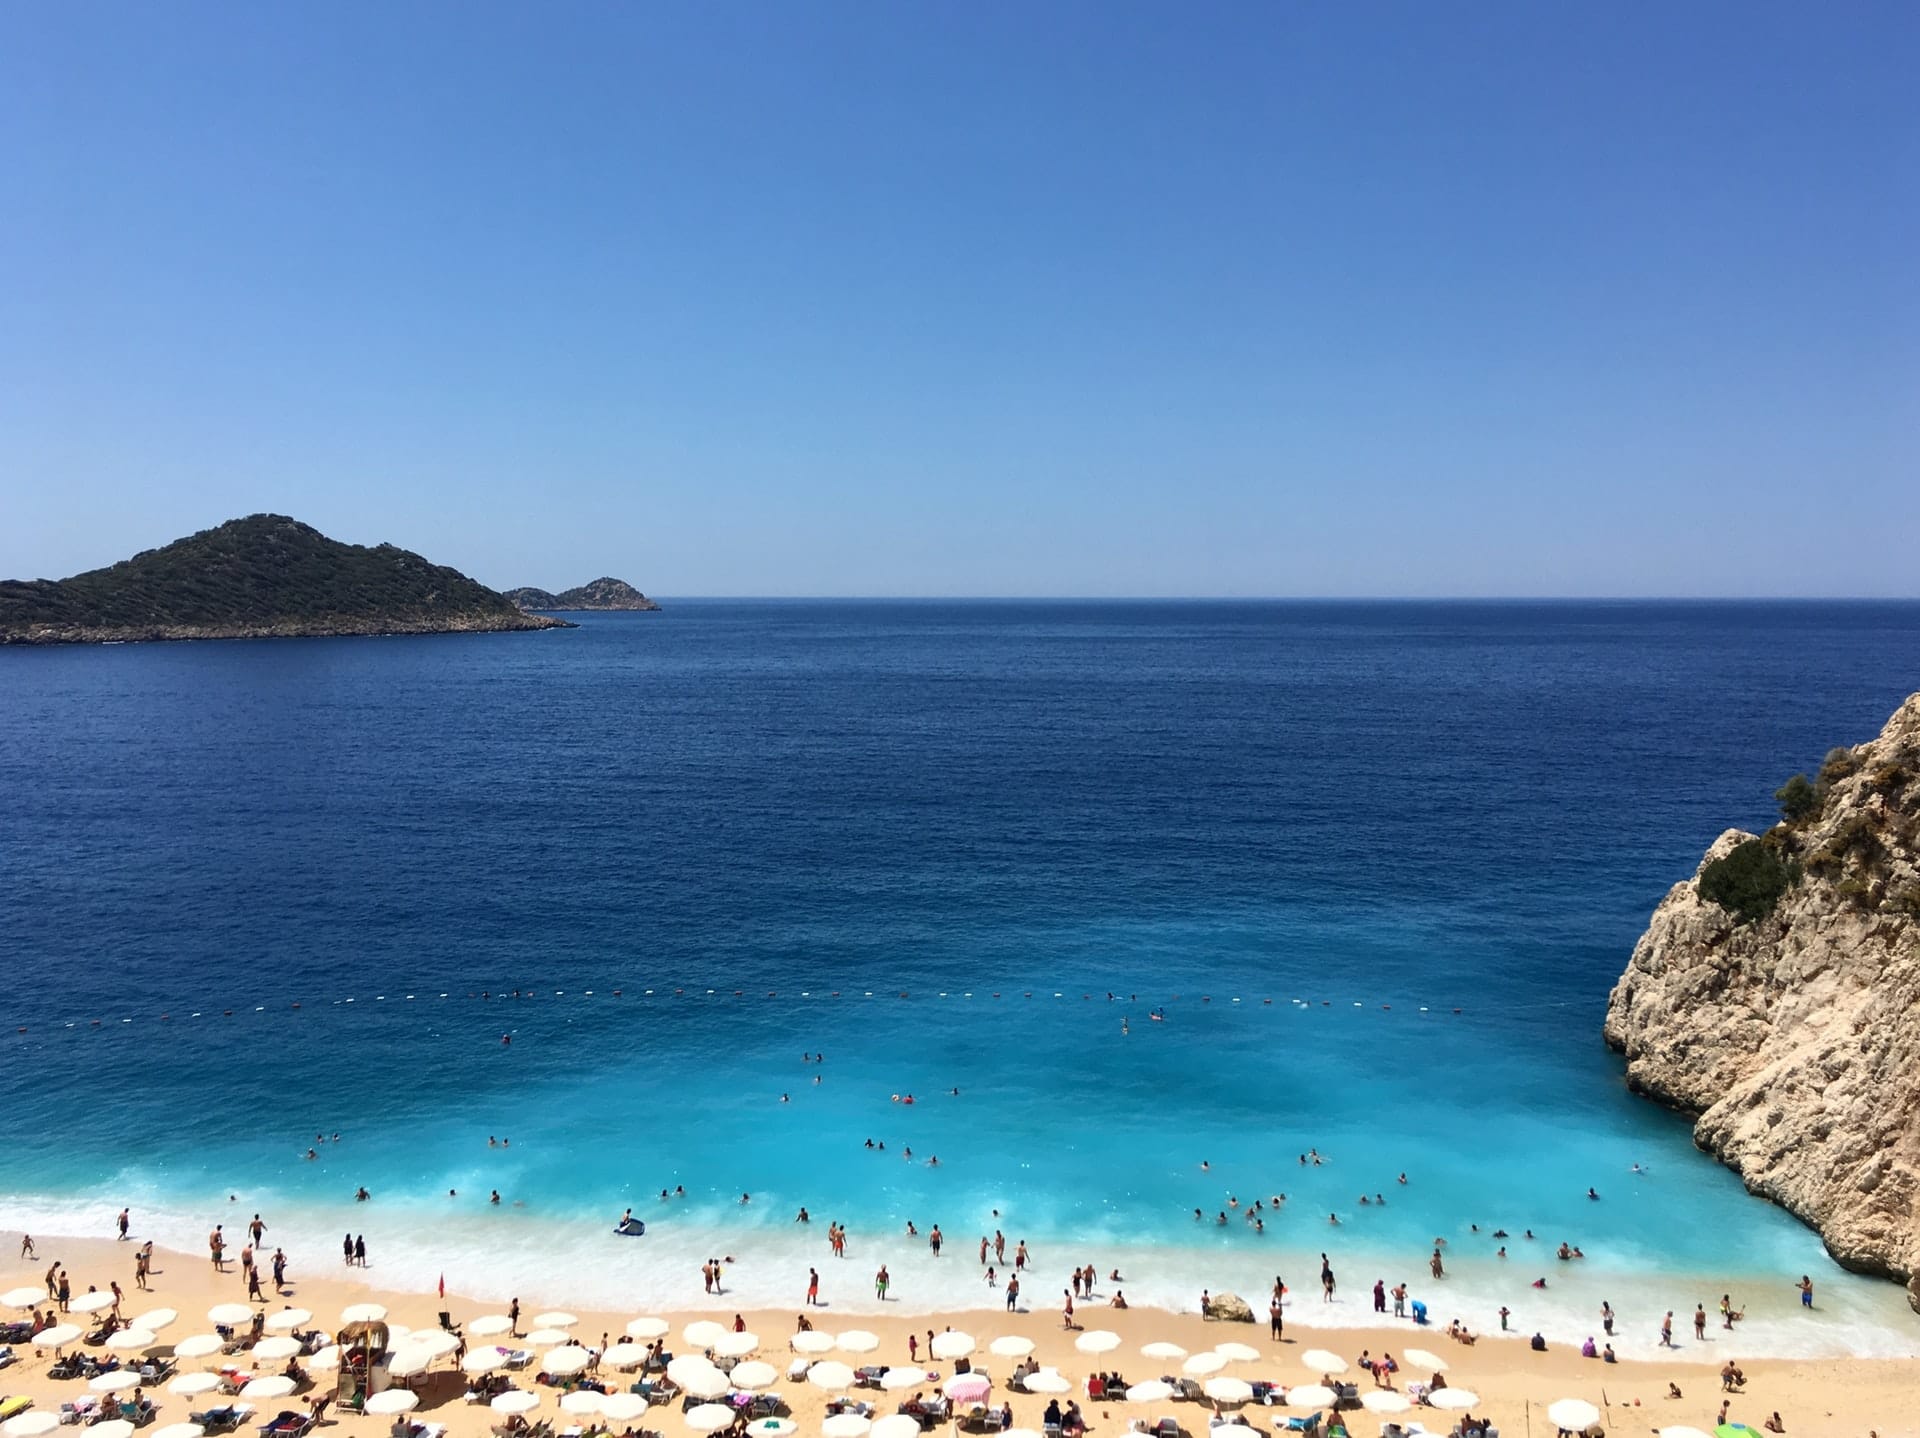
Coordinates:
[1003,298]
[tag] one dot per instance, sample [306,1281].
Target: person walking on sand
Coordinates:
[279,1269]
[26,1245]
[1276,1323]
[217,1246]
[53,1280]
[1066,1316]
[256,1229]
[513,1318]
[140,1262]
[1666,1330]
[1013,1291]
[123,1221]
[66,1293]
[813,1288]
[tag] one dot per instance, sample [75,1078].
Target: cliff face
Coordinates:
[1794,1035]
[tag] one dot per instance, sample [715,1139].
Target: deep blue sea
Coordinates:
[1378,865]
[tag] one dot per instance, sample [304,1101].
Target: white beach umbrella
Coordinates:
[1097,1340]
[285,1320]
[556,1318]
[1047,1380]
[60,1333]
[1021,1433]
[709,1417]
[1011,1345]
[114,1381]
[131,1339]
[1169,1351]
[1679,1430]
[178,1430]
[1310,1395]
[113,1428]
[1237,1352]
[515,1400]
[192,1385]
[570,1359]
[1575,1414]
[1421,1358]
[326,1359]
[811,1340]
[582,1401]
[845,1425]
[1223,1389]
[230,1313]
[281,1346]
[1385,1400]
[896,1425]
[624,1355]
[488,1324]
[363,1313]
[753,1375]
[1460,1398]
[95,1301]
[1231,1430]
[856,1340]
[775,1427]
[831,1375]
[905,1376]
[1202,1364]
[687,1367]
[967,1387]
[1320,1361]
[432,1341]
[1154,1390]
[153,1320]
[408,1363]
[648,1328]
[708,1383]
[277,1386]
[549,1337]
[199,1345]
[395,1331]
[393,1400]
[28,1297]
[29,1425]
[736,1345]
[624,1407]
[951,1344]
[702,1333]
[485,1360]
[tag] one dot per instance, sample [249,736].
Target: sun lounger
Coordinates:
[287,1423]
[17,1404]
[1309,1424]
[80,1410]
[6,1356]
[868,1376]
[1167,1428]
[1189,1389]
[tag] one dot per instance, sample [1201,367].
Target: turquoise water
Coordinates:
[1378,864]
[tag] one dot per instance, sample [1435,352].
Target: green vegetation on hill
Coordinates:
[603,593]
[259,576]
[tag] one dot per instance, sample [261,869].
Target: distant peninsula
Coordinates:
[602,594]
[262,577]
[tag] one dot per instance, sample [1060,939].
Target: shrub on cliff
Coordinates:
[1748,882]
[1799,801]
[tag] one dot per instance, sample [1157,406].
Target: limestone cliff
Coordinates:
[1785,1011]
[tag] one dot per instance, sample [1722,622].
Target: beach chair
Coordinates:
[6,1357]
[1167,1428]
[796,1370]
[287,1423]
[1189,1390]
[1308,1425]
[868,1376]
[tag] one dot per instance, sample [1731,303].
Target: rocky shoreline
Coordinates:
[306,629]
[1783,1011]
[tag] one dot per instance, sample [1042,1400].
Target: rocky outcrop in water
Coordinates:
[1776,995]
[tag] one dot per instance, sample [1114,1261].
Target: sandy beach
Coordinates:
[1513,1383]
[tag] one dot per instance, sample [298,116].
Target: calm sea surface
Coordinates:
[1378,864]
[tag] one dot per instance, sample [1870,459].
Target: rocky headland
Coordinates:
[1776,997]
[601,594]
[262,577]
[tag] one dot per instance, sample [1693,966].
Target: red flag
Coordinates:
[443,1285]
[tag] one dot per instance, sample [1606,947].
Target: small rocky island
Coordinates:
[600,595]
[1776,997]
[265,576]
